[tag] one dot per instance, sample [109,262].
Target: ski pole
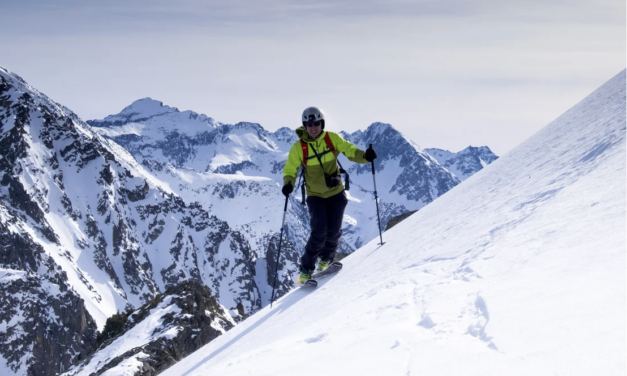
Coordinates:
[376,199]
[276,269]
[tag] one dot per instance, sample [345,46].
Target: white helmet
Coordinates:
[312,115]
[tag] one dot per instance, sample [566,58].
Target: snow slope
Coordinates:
[518,271]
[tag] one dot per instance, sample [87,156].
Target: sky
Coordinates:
[448,74]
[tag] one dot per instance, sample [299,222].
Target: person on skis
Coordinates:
[317,152]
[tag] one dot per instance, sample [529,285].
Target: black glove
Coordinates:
[287,189]
[371,155]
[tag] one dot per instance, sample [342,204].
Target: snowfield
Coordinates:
[520,270]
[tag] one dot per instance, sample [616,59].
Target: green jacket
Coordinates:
[314,175]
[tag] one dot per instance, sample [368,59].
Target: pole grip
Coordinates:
[376,199]
[371,163]
[285,208]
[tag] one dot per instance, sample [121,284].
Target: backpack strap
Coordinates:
[303,145]
[327,139]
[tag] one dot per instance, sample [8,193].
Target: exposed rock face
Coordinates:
[44,326]
[136,189]
[159,334]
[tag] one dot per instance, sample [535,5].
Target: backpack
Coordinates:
[306,157]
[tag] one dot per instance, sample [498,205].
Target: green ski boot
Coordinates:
[323,264]
[305,275]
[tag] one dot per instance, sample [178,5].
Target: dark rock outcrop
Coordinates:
[189,317]
[398,219]
[46,327]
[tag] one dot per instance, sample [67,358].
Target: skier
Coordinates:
[317,152]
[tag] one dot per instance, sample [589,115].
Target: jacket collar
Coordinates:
[303,135]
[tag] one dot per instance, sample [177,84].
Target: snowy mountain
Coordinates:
[139,111]
[465,163]
[88,232]
[100,219]
[518,271]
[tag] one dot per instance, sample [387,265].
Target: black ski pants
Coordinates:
[326,216]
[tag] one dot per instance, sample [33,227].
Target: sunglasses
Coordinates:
[316,123]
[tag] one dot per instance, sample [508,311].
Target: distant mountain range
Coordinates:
[99,217]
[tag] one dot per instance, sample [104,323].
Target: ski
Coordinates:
[309,284]
[313,282]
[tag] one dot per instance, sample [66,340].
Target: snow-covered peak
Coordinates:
[8,79]
[379,133]
[344,134]
[242,126]
[286,134]
[465,163]
[283,131]
[152,120]
[390,144]
[147,107]
[378,127]
[140,110]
